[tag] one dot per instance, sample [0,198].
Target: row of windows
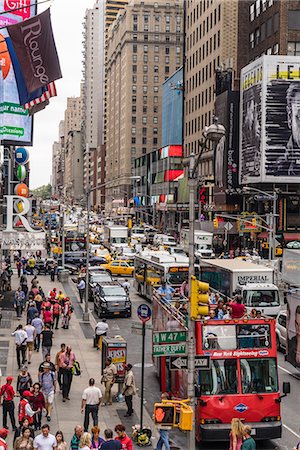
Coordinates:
[144,140]
[157,28]
[144,118]
[202,52]
[145,99]
[258,7]
[202,75]
[199,9]
[167,38]
[155,69]
[197,125]
[156,18]
[266,29]
[293,48]
[204,27]
[156,49]
[200,100]
[156,59]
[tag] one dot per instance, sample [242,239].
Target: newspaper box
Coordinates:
[116,348]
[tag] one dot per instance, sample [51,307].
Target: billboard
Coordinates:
[269,123]
[226,151]
[15,122]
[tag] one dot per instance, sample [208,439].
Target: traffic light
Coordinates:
[253,221]
[186,418]
[216,222]
[164,414]
[199,298]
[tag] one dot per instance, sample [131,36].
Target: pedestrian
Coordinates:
[19,267]
[122,437]
[47,360]
[100,331]
[56,311]
[60,296]
[66,312]
[166,292]
[38,299]
[253,314]
[21,346]
[19,302]
[61,443]
[97,441]
[25,409]
[45,440]
[163,430]
[48,387]
[78,430]
[126,286]
[46,304]
[23,284]
[236,434]
[110,443]
[7,395]
[81,289]
[129,389]
[24,424]
[3,435]
[108,378]
[47,336]
[25,441]
[31,335]
[91,399]
[238,310]
[31,312]
[52,294]
[249,442]
[38,324]
[38,404]
[58,366]
[34,282]
[24,381]
[85,441]
[219,312]
[67,360]
[48,316]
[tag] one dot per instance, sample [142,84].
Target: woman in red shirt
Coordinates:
[125,440]
[48,316]
[38,404]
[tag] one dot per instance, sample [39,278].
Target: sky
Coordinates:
[67,17]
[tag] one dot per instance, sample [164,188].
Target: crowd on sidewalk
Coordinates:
[44,314]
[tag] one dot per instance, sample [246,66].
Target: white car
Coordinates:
[281,334]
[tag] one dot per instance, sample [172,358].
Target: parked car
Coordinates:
[120,267]
[281,334]
[111,299]
[95,278]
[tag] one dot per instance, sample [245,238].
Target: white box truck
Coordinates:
[203,243]
[253,281]
[115,236]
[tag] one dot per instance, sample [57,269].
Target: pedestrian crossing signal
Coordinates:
[164,414]
[216,223]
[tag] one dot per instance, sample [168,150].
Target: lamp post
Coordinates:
[272,229]
[85,317]
[212,133]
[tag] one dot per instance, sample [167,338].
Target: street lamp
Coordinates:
[212,133]
[272,229]
[89,190]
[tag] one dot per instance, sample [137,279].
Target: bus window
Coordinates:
[217,337]
[221,378]
[259,376]
[153,275]
[253,336]
[261,299]
[177,275]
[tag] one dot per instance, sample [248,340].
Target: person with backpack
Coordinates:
[47,380]
[24,381]
[56,311]
[67,360]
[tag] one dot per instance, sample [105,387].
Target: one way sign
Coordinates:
[201,362]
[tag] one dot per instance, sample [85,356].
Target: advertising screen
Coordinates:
[269,120]
[15,123]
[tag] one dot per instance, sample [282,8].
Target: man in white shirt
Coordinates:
[81,289]
[38,324]
[100,331]
[20,340]
[91,399]
[31,334]
[45,441]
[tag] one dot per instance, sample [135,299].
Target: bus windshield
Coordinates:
[259,376]
[177,275]
[220,379]
[260,299]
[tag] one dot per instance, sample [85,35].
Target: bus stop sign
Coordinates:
[144,313]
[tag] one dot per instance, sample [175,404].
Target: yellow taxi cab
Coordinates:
[120,267]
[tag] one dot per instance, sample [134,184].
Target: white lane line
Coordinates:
[291,431]
[290,373]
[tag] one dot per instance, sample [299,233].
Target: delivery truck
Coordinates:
[202,240]
[254,282]
[115,236]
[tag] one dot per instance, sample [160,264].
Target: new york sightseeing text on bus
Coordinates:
[241,379]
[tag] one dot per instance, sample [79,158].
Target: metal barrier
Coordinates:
[170,308]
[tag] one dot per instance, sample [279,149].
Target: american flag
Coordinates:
[50,92]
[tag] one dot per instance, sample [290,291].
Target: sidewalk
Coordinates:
[66,415]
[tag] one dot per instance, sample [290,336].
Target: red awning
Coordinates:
[291,236]
[263,235]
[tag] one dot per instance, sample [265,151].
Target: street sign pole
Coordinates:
[143,371]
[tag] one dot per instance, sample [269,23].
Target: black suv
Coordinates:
[111,299]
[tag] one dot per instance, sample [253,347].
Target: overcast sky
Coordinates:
[67,17]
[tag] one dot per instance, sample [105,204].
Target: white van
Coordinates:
[165,240]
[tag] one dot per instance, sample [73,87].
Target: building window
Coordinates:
[257,8]
[145,89]
[155,141]
[134,48]
[145,37]
[156,79]
[133,140]
[145,48]
[144,151]
[257,36]
[135,17]
[294,19]
[144,141]
[155,89]
[133,120]
[134,88]
[275,49]
[155,99]
[155,130]
[156,48]
[167,60]
[167,69]
[135,27]
[133,130]
[144,119]
[251,40]
[145,69]
[134,78]
[134,58]
[145,78]
[252,12]
[145,99]
[134,37]
[146,18]
[133,99]
[156,58]
[155,109]
[157,18]
[156,37]
[133,109]
[167,28]
[145,58]
[144,109]
[144,131]
[155,119]
[167,50]
[155,69]
[156,28]
[178,50]
[293,48]
[167,19]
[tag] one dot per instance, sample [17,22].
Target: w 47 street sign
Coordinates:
[169,337]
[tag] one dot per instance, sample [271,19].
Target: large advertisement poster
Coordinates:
[269,120]
[15,122]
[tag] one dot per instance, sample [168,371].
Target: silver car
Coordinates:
[281,333]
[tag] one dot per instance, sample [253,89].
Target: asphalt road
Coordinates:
[290,404]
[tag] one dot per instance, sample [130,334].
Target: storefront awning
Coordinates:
[291,236]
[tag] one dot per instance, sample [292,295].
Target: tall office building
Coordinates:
[211,43]
[144,48]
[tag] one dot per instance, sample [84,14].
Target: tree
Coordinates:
[43,192]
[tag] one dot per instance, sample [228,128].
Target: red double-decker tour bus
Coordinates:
[240,379]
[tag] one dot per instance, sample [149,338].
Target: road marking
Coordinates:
[291,431]
[290,373]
